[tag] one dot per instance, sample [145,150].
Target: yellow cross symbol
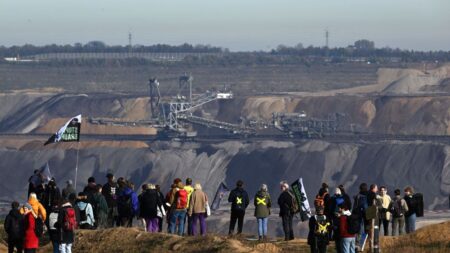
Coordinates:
[238,200]
[261,201]
[323,228]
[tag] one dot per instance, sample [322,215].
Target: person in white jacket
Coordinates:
[87,219]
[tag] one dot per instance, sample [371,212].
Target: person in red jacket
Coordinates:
[31,241]
[347,239]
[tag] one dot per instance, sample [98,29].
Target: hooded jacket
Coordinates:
[14,225]
[262,204]
[125,195]
[37,207]
[149,203]
[239,199]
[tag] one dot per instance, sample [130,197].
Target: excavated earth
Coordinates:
[423,164]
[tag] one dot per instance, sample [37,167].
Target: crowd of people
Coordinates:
[185,208]
[349,224]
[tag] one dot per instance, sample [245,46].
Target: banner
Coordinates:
[69,132]
[302,199]
[221,191]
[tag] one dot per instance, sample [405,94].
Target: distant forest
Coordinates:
[361,51]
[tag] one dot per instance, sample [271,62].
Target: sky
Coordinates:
[239,25]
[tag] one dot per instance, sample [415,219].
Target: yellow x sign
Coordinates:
[238,200]
[261,201]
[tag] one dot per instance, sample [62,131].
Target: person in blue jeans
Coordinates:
[179,210]
[347,239]
[410,215]
[262,211]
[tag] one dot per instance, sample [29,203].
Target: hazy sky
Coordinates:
[237,25]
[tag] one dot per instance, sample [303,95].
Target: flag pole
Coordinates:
[76,166]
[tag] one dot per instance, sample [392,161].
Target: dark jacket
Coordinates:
[262,204]
[360,203]
[110,192]
[239,199]
[99,204]
[14,225]
[149,203]
[412,205]
[286,203]
[127,203]
[314,238]
[371,197]
[64,236]
[67,191]
[52,196]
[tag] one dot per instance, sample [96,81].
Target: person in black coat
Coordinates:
[286,202]
[66,237]
[52,196]
[149,204]
[162,199]
[319,229]
[239,201]
[15,228]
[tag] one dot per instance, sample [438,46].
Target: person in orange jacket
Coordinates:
[36,206]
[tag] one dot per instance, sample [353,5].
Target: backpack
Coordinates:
[38,227]
[69,219]
[320,200]
[360,204]
[182,199]
[353,223]
[322,226]
[294,208]
[418,197]
[83,214]
[52,219]
[397,208]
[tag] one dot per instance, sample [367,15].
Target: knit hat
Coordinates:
[28,206]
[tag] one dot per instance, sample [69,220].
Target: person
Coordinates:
[197,209]
[69,189]
[398,209]
[323,200]
[36,184]
[66,226]
[100,208]
[90,189]
[319,229]
[52,195]
[178,210]
[385,214]
[347,199]
[189,189]
[37,207]
[347,239]
[87,219]
[262,204]
[335,201]
[168,203]
[410,215]
[239,200]
[31,241]
[15,228]
[127,203]
[52,230]
[110,190]
[359,208]
[286,203]
[149,203]
[162,199]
